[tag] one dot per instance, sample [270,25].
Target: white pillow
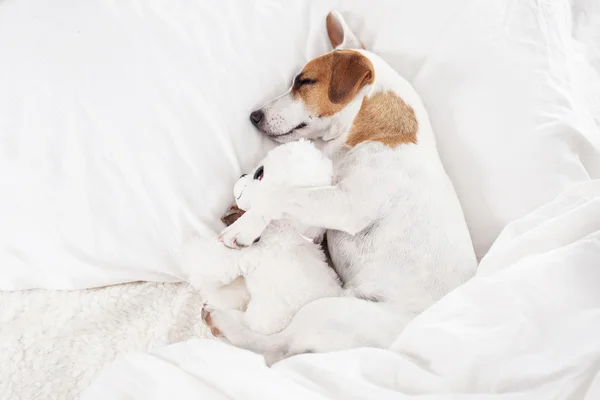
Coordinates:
[125,124]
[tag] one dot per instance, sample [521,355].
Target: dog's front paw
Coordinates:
[245,231]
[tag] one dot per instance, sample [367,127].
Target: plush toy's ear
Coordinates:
[340,35]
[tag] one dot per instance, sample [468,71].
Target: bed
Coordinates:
[124,126]
[526,327]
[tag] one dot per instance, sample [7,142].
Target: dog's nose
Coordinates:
[256,117]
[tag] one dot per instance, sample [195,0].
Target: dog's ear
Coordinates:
[350,72]
[340,35]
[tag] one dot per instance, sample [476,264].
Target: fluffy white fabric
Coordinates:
[526,327]
[124,124]
[52,344]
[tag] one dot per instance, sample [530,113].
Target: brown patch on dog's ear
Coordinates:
[350,72]
[384,117]
[337,78]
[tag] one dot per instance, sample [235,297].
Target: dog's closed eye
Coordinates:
[258,175]
[301,81]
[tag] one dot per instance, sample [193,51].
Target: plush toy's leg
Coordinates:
[232,296]
[207,260]
[214,270]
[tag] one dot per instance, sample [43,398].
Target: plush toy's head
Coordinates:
[296,164]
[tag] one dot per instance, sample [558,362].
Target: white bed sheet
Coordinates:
[586,32]
[525,328]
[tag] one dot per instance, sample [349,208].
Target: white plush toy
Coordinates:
[271,280]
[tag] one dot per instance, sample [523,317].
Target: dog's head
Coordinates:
[322,90]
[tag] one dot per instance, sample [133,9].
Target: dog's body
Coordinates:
[286,269]
[396,231]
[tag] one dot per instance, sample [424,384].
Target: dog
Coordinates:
[395,228]
[286,268]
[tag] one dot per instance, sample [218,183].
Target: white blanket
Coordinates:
[52,344]
[526,327]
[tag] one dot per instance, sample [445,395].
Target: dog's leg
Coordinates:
[325,325]
[326,207]
[263,316]
[229,324]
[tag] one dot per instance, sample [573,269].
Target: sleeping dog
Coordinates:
[395,228]
[286,269]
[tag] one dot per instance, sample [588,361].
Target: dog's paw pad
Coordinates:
[207,318]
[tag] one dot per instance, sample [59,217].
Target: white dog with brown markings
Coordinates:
[395,228]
